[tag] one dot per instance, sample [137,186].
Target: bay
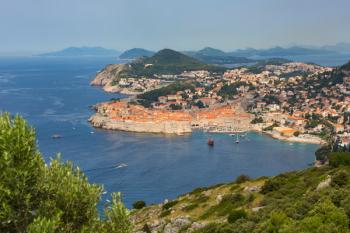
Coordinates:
[54,95]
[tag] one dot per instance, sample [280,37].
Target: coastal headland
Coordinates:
[124,116]
[172,93]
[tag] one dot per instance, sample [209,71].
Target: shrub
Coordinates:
[175,107]
[257,120]
[296,133]
[242,178]
[138,205]
[233,198]
[146,228]
[270,185]
[340,179]
[337,159]
[190,207]
[236,214]
[322,152]
[169,204]
[165,213]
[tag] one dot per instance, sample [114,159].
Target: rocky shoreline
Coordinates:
[303,138]
[106,77]
[168,127]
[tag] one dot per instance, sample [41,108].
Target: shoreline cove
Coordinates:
[177,164]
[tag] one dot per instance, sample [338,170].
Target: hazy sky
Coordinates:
[45,25]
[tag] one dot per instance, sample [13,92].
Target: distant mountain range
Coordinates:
[210,55]
[82,51]
[215,56]
[281,52]
[250,52]
[136,53]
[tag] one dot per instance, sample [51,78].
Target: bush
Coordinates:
[165,213]
[296,133]
[190,207]
[236,214]
[322,152]
[242,178]
[337,159]
[270,185]
[233,198]
[169,204]
[175,107]
[340,179]
[138,205]
[257,120]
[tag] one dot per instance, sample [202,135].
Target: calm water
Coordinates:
[54,95]
[323,60]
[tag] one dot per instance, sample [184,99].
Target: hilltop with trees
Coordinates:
[136,53]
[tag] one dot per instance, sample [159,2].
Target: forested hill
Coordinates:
[168,61]
[312,200]
[136,53]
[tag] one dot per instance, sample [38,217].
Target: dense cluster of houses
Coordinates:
[290,95]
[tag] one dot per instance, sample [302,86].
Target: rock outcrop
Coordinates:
[109,75]
[325,183]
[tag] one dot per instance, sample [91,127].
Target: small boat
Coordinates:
[237,139]
[210,142]
[232,134]
[56,136]
[121,165]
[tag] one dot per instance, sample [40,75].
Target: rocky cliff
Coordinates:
[108,77]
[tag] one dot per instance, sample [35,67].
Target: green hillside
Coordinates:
[311,200]
[168,61]
[136,53]
[208,51]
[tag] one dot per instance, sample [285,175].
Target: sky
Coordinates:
[31,26]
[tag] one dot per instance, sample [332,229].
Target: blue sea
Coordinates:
[54,95]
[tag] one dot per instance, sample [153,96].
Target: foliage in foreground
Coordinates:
[36,197]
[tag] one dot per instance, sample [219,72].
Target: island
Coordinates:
[135,53]
[173,93]
[84,51]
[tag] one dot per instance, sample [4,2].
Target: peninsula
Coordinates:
[173,93]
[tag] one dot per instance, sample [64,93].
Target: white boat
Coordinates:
[121,165]
[56,136]
[232,134]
